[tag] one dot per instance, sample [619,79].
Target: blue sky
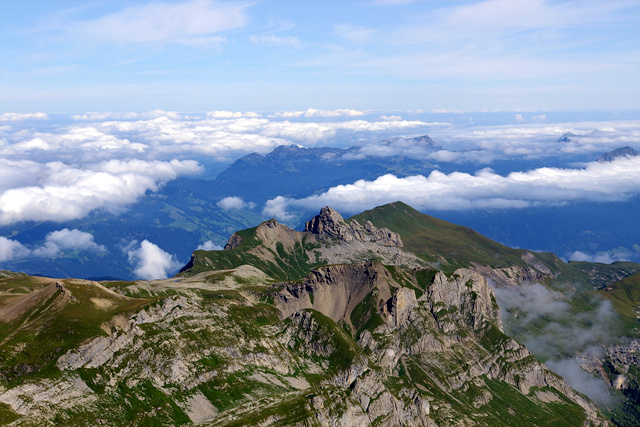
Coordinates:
[202,55]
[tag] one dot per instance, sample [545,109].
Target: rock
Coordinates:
[330,223]
[234,241]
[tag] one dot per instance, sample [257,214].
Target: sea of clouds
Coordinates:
[63,168]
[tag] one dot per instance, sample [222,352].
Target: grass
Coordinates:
[433,239]
[330,343]
[291,411]
[31,343]
[7,416]
[365,317]
[429,237]
[290,266]
[625,297]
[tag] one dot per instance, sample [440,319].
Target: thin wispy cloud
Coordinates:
[193,22]
[353,34]
[273,40]
[534,54]
[13,117]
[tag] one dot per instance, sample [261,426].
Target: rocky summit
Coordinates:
[344,324]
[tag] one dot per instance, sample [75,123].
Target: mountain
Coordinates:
[567,137]
[385,319]
[617,153]
[185,213]
[293,171]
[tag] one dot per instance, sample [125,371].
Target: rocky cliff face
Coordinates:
[355,343]
[330,223]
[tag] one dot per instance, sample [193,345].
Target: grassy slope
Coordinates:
[31,343]
[625,297]
[604,274]
[288,266]
[429,237]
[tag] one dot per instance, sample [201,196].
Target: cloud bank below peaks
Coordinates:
[54,243]
[58,192]
[596,182]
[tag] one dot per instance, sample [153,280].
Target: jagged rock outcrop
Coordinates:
[468,292]
[330,223]
[234,241]
[511,276]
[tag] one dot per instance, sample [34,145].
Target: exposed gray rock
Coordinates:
[330,223]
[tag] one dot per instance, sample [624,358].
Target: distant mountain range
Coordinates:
[186,213]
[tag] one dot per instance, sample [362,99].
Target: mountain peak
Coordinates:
[418,140]
[617,153]
[567,136]
[329,222]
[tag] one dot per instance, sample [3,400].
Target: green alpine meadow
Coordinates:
[388,318]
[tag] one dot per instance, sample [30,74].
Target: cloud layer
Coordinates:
[546,323]
[50,171]
[55,191]
[55,243]
[596,182]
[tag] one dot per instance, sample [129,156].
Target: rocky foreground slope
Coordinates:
[339,325]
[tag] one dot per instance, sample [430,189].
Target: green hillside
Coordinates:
[436,240]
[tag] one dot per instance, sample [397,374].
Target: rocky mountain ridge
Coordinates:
[339,325]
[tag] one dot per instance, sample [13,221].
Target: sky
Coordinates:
[104,102]
[204,55]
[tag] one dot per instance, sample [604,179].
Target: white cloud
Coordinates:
[602,257]
[518,118]
[15,117]
[150,262]
[74,239]
[54,243]
[313,112]
[224,114]
[221,135]
[154,114]
[59,192]
[585,382]
[539,140]
[192,22]
[418,147]
[276,208]
[209,246]
[235,203]
[353,34]
[615,181]
[12,249]
[523,307]
[272,40]
[466,156]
